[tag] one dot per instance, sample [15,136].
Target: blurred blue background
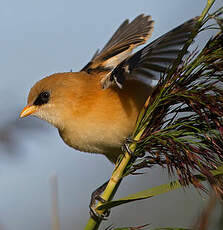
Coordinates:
[42,37]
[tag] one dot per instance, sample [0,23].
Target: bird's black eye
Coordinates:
[43,98]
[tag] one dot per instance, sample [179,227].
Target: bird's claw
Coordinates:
[125,147]
[99,198]
[96,196]
[129,140]
[94,214]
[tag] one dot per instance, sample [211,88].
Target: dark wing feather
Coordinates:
[125,39]
[153,59]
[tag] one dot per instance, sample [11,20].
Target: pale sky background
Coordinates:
[42,37]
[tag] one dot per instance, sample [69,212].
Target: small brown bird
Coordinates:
[96,109]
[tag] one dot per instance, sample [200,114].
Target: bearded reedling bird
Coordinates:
[95,109]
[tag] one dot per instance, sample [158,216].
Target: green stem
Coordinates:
[92,224]
[206,9]
[113,184]
[190,40]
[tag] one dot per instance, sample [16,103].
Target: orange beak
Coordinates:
[28,110]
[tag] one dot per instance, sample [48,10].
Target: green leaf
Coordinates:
[171,228]
[164,228]
[126,228]
[142,195]
[122,228]
[145,194]
[131,228]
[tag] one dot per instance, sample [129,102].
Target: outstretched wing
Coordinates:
[125,39]
[153,59]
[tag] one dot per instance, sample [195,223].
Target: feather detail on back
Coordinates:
[127,37]
[153,59]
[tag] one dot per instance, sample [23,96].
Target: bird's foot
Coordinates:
[95,215]
[125,147]
[129,140]
[96,196]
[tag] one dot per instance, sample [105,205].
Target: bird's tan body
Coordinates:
[92,120]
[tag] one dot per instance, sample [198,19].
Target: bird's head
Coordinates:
[54,98]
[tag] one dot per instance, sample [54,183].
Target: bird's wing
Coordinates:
[128,36]
[153,59]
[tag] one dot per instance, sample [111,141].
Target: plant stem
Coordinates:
[113,183]
[206,9]
[193,35]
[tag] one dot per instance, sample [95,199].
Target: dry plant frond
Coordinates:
[182,124]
